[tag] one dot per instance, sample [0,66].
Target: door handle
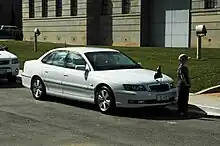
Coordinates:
[65,75]
[46,71]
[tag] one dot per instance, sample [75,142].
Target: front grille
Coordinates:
[4,62]
[159,88]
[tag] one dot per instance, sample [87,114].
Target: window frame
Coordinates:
[126,6]
[75,53]
[47,57]
[53,54]
[210,4]
[73,7]
[44,8]
[60,51]
[59,8]
[106,8]
[31,8]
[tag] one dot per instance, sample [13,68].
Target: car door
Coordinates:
[75,83]
[53,71]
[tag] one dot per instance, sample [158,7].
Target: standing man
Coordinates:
[183,84]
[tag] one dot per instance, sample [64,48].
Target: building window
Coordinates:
[126,6]
[58,8]
[210,4]
[31,8]
[106,7]
[44,8]
[73,7]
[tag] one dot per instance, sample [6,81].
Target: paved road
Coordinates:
[27,122]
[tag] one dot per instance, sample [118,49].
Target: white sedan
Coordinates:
[9,65]
[105,77]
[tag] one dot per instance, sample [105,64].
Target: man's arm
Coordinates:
[185,76]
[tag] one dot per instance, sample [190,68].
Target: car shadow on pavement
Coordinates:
[161,113]
[5,84]
[73,103]
[169,113]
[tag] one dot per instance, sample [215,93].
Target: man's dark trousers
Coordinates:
[183,98]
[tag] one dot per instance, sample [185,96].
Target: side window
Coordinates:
[48,58]
[59,58]
[75,61]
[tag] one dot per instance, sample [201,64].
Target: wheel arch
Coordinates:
[101,85]
[36,76]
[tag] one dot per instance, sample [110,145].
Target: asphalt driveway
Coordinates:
[25,121]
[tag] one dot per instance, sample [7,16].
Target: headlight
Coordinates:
[14,61]
[134,87]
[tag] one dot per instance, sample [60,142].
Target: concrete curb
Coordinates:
[203,110]
[209,90]
[210,110]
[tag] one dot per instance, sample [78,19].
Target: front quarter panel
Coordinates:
[94,81]
[122,96]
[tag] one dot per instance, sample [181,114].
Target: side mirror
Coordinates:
[80,67]
[87,68]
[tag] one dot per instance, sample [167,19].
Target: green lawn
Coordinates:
[204,73]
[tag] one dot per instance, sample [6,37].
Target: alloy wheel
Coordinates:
[104,100]
[37,88]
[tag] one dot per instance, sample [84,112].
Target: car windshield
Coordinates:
[110,60]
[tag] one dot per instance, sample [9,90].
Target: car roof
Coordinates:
[83,50]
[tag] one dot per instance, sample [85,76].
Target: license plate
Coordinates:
[3,71]
[163,97]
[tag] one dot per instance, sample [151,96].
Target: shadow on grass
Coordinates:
[169,113]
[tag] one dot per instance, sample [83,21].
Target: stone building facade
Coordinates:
[156,23]
[206,12]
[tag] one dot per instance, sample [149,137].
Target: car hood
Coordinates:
[6,54]
[132,76]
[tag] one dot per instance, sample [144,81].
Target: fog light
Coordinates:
[130,101]
[16,70]
[136,101]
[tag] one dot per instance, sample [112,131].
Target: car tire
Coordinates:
[105,100]
[12,79]
[38,88]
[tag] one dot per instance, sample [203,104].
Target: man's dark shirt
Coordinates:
[183,76]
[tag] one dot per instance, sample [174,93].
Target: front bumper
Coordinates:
[130,99]
[6,71]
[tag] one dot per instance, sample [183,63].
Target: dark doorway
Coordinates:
[165,23]
[145,14]
[12,16]
[99,22]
